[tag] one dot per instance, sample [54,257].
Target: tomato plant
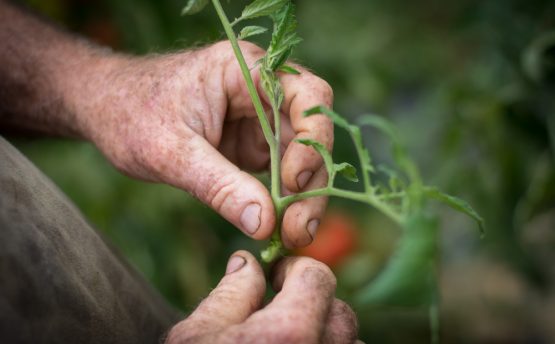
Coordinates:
[403,200]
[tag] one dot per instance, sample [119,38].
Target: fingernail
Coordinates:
[302,179]
[234,264]
[312,227]
[250,218]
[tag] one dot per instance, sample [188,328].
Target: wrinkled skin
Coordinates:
[303,311]
[187,120]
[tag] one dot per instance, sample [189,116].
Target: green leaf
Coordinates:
[353,130]
[457,204]
[249,31]
[364,155]
[289,70]
[260,8]
[284,36]
[407,278]
[399,152]
[334,116]
[280,59]
[321,149]
[347,171]
[271,86]
[194,6]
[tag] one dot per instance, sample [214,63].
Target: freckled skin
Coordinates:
[303,311]
[186,119]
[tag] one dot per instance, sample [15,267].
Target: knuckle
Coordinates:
[292,333]
[321,87]
[327,91]
[223,295]
[250,48]
[220,191]
[284,329]
[180,333]
[223,45]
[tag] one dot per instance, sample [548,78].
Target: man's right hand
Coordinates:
[304,310]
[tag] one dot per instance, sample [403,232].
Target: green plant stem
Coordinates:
[273,140]
[352,195]
[390,196]
[266,128]
[235,22]
[360,153]
[275,163]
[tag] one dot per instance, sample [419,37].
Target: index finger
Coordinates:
[303,92]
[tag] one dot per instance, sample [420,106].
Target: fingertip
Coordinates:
[243,270]
[253,210]
[299,163]
[300,268]
[242,259]
[249,258]
[301,221]
[293,230]
[312,227]
[303,178]
[267,221]
[235,263]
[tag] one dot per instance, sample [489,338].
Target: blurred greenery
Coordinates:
[470,85]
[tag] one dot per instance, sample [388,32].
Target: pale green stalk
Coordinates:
[273,139]
[352,195]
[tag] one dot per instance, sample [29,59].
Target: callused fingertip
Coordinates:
[312,227]
[235,263]
[250,218]
[303,178]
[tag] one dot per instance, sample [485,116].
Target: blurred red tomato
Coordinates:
[335,240]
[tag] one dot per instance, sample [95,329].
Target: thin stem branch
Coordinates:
[352,195]
[394,195]
[236,21]
[273,141]
[365,173]
[275,159]
[272,138]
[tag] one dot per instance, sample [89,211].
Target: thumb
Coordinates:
[199,168]
[239,294]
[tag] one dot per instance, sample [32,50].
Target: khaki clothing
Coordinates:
[60,281]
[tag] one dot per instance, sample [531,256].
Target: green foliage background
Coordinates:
[470,85]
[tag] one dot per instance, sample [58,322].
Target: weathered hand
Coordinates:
[303,311]
[187,120]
